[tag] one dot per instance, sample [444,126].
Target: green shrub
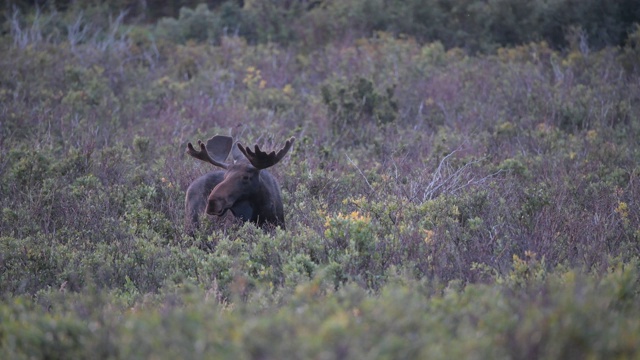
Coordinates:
[358,105]
[201,24]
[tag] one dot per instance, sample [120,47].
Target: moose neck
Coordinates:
[261,197]
[265,200]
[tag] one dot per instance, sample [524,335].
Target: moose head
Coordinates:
[249,191]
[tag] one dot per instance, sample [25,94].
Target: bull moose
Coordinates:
[245,187]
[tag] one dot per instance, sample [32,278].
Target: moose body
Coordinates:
[249,191]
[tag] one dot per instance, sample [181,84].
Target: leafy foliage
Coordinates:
[358,106]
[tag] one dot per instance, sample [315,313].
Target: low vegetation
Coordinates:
[441,200]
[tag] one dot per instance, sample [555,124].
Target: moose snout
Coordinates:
[219,200]
[216,207]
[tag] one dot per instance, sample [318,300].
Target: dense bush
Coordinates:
[468,24]
[563,316]
[438,203]
[473,25]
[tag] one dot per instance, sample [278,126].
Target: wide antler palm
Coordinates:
[219,146]
[262,160]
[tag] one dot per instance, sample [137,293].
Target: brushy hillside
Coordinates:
[440,203]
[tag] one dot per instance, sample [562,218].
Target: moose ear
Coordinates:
[219,147]
[237,154]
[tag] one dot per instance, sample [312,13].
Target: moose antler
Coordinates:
[219,146]
[260,159]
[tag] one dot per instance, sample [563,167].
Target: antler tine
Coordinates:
[203,154]
[262,160]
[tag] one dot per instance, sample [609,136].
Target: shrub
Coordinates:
[357,105]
